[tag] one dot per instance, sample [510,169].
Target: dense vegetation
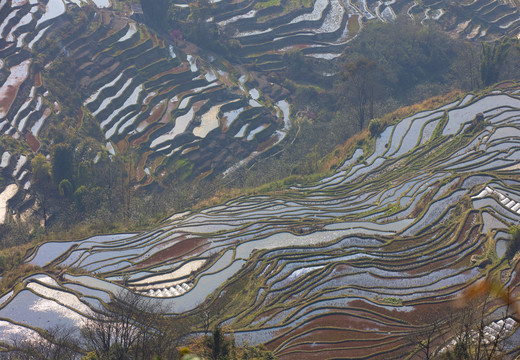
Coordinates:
[387,66]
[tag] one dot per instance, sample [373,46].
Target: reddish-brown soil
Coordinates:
[144,137]
[10,94]
[197,105]
[176,70]
[86,81]
[267,144]
[33,143]
[267,314]
[139,170]
[347,327]
[190,48]
[155,163]
[156,113]
[38,80]
[504,85]
[166,116]
[177,250]
[122,145]
[347,350]
[348,336]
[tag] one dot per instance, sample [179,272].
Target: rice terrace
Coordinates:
[273,169]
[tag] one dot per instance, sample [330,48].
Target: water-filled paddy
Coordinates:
[330,246]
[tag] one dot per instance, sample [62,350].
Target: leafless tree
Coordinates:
[133,327]
[423,340]
[472,337]
[57,343]
[361,78]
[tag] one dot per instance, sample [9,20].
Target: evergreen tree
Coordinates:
[62,162]
[492,57]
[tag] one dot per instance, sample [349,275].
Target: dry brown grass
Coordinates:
[11,277]
[339,154]
[428,104]
[341,151]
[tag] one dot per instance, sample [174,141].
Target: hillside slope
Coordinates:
[348,267]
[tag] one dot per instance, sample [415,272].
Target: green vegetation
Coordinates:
[12,267]
[418,61]
[514,243]
[62,158]
[440,126]
[388,66]
[492,57]
[267,3]
[190,24]
[362,77]
[374,127]
[393,301]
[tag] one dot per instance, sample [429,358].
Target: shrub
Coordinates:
[374,127]
[79,196]
[514,243]
[65,188]
[62,162]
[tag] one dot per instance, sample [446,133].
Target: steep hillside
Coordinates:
[104,105]
[91,76]
[141,91]
[201,95]
[348,267]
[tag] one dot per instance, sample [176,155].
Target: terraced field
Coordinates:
[481,19]
[188,114]
[322,29]
[183,112]
[347,267]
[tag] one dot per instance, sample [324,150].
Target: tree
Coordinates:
[57,343]
[133,327]
[473,328]
[156,13]
[468,329]
[375,127]
[361,81]
[514,243]
[80,196]
[296,64]
[41,170]
[414,61]
[423,338]
[492,57]
[62,162]
[477,330]
[219,347]
[84,173]
[41,173]
[65,188]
